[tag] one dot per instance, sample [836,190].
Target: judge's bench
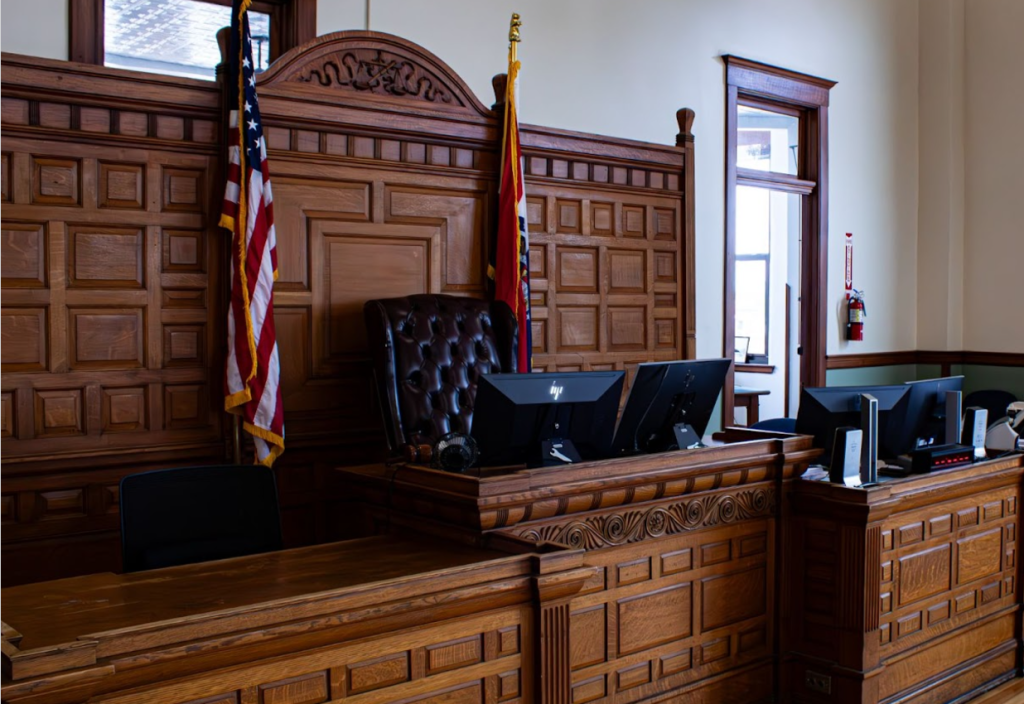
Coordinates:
[719,574]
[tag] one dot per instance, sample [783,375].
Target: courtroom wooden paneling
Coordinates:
[384,185]
[686,548]
[907,590]
[384,619]
[110,273]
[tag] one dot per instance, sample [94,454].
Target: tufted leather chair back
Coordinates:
[428,353]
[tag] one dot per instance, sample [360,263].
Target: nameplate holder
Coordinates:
[869,444]
[846,450]
[975,428]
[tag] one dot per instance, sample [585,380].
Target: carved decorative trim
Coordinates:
[615,529]
[379,72]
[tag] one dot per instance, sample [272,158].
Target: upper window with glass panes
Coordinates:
[175,37]
[767,141]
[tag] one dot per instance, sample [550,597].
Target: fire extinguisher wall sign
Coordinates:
[856,312]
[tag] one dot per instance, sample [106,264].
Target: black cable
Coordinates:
[636,433]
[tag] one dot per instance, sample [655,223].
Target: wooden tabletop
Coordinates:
[63,611]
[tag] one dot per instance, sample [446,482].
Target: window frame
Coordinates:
[766,258]
[781,90]
[292,22]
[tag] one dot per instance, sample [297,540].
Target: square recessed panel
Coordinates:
[665,334]
[106,338]
[185,406]
[628,271]
[5,177]
[184,345]
[538,261]
[569,214]
[23,255]
[105,257]
[56,181]
[578,328]
[122,185]
[58,413]
[184,250]
[7,422]
[664,224]
[602,217]
[633,221]
[123,409]
[536,215]
[358,269]
[23,338]
[183,190]
[665,267]
[627,328]
[577,269]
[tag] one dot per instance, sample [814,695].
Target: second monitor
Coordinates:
[663,395]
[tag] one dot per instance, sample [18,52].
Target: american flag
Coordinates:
[252,388]
[511,259]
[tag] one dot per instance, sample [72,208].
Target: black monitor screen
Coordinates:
[664,394]
[823,410]
[924,420]
[514,413]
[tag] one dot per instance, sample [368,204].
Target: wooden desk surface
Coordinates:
[56,612]
[76,622]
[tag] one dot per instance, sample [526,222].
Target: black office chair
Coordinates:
[994,400]
[193,514]
[776,425]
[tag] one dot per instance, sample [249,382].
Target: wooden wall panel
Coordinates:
[108,354]
[112,261]
[683,592]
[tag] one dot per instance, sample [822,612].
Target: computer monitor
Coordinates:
[824,409]
[666,393]
[923,423]
[515,413]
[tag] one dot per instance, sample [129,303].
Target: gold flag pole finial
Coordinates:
[513,30]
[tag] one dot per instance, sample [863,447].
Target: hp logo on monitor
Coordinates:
[556,390]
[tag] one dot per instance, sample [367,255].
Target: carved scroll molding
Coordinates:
[372,63]
[593,532]
[380,72]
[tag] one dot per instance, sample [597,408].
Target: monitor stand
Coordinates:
[558,452]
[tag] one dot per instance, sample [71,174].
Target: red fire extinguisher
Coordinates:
[855,316]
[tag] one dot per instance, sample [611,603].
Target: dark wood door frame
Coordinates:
[770,85]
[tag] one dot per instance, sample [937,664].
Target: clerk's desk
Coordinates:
[715,575]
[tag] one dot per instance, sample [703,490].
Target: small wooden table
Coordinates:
[747,398]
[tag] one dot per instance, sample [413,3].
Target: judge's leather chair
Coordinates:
[428,353]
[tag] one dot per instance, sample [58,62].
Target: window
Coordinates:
[179,37]
[776,240]
[174,37]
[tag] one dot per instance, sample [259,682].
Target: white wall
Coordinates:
[624,68]
[35,27]
[994,147]
[940,243]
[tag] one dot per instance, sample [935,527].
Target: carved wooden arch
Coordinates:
[375,64]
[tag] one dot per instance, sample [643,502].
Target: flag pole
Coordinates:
[224,42]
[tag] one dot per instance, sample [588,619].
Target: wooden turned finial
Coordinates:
[499,83]
[224,42]
[684,116]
